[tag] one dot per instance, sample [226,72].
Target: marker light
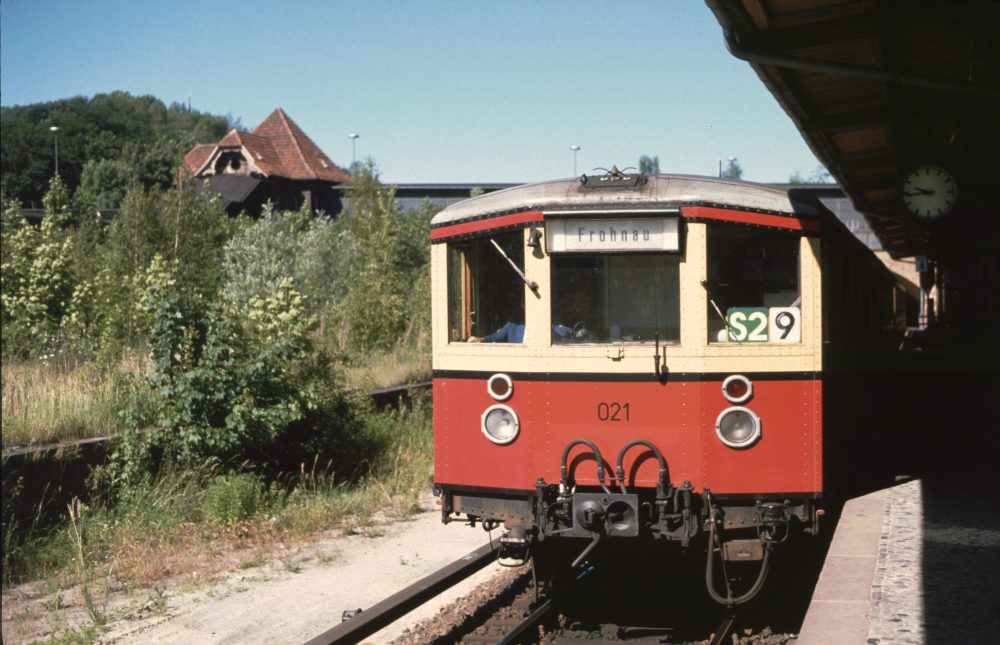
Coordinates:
[738,427]
[500,387]
[500,424]
[737,388]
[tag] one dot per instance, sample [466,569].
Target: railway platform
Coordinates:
[915,563]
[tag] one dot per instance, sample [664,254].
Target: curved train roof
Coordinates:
[657,190]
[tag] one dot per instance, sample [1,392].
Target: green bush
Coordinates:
[243,381]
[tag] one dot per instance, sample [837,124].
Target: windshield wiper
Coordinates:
[711,300]
[531,283]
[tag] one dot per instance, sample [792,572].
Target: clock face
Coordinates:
[929,192]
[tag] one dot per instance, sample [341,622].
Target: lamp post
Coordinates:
[55,134]
[575,150]
[354,147]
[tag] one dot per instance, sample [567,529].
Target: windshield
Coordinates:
[611,298]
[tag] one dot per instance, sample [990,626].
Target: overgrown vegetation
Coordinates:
[142,534]
[220,350]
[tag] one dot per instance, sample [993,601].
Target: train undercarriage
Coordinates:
[563,524]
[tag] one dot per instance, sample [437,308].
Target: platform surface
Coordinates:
[915,563]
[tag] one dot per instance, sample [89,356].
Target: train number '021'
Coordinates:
[764,324]
[613,411]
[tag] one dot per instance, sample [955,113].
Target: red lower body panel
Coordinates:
[679,417]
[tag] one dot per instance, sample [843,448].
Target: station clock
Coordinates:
[929,191]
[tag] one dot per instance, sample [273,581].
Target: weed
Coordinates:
[85,636]
[55,602]
[157,601]
[97,616]
[230,499]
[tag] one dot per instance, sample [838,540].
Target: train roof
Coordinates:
[580,193]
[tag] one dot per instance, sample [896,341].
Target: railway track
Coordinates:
[615,602]
[562,618]
[369,621]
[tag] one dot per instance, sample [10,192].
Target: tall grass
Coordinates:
[62,399]
[409,363]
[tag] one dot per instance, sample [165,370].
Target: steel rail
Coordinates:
[536,616]
[724,629]
[402,602]
[533,619]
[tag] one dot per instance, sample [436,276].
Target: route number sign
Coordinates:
[764,324]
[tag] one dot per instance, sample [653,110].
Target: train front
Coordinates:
[629,358]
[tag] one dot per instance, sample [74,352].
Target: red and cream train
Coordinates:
[662,359]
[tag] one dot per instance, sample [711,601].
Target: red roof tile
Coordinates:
[197,156]
[301,157]
[262,152]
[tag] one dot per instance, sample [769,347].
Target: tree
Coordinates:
[649,165]
[819,175]
[37,278]
[140,131]
[104,182]
[733,170]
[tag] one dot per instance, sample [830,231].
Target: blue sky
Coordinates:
[437,91]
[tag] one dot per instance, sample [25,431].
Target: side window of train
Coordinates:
[484,292]
[753,285]
[613,298]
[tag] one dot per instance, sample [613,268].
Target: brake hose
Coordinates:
[728,600]
[620,469]
[597,455]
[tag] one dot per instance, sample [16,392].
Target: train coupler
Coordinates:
[515,548]
[773,519]
[605,514]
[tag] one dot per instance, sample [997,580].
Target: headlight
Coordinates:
[738,427]
[500,424]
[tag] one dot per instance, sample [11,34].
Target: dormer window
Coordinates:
[229,163]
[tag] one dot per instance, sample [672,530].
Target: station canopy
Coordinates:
[878,89]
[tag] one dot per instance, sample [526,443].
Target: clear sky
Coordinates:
[437,91]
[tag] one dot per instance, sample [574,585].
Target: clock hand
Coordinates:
[920,191]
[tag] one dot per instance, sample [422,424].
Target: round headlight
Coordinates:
[737,388]
[500,424]
[500,387]
[738,427]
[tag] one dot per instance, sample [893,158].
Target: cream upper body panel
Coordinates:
[692,354]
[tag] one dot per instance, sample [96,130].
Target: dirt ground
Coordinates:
[289,599]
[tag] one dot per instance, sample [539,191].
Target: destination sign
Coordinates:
[612,235]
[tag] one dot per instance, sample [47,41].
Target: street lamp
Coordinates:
[55,134]
[354,147]
[575,150]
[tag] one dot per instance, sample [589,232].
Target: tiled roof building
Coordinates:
[277,162]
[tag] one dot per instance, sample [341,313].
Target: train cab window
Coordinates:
[753,285]
[613,298]
[484,292]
